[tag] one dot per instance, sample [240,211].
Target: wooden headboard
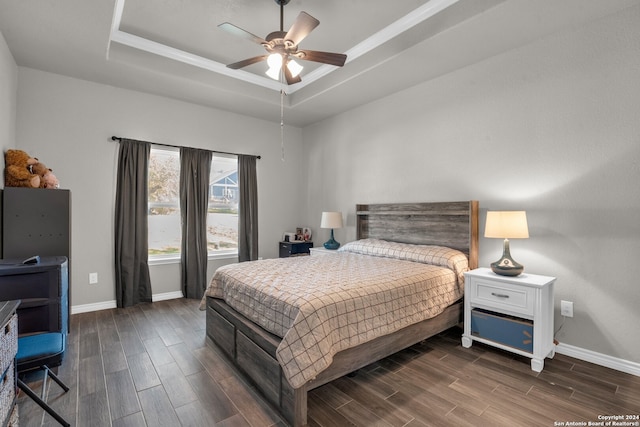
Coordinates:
[452,224]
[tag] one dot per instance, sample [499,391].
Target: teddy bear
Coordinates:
[18,170]
[47,178]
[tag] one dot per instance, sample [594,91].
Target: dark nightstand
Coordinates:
[288,249]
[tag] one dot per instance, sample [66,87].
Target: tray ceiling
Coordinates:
[175,48]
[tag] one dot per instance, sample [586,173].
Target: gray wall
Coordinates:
[8,93]
[67,123]
[552,128]
[8,96]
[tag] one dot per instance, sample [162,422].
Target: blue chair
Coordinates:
[38,352]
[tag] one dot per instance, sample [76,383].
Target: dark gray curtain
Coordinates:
[133,284]
[195,167]
[248,210]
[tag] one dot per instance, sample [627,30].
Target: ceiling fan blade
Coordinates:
[289,78]
[245,62]
[337,59]
[237,31]
[301,28]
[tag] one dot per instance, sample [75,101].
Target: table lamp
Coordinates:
[506,225]
[331,220]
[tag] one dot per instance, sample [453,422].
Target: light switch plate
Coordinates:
[566,308]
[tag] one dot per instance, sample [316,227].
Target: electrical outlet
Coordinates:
[566,308]
[93,278]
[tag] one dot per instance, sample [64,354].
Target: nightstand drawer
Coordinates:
[517,299]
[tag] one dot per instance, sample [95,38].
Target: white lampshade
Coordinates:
[275,60]
[275,64]
[274,73]
[506,225]
[331,220]
[294,68]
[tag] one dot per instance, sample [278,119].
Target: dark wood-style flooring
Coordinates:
[151,365]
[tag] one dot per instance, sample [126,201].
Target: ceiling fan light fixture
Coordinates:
[284,44]
[273,72]
[294,68]
[275,61]
[275,64]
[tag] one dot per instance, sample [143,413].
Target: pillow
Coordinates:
[441,256]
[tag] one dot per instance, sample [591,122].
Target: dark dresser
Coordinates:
[43,290]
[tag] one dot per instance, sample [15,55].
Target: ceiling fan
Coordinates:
[282,47]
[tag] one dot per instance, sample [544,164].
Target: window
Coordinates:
[222,219]
[164,205]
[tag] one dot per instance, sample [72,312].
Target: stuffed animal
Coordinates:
[18,170]
[47,178]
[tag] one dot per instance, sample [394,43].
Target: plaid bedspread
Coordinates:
[323,304]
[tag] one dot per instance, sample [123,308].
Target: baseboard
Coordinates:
[85,308]
[607,361]
[166,296]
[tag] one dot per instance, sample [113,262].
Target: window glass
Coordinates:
[222,218]
[164,205]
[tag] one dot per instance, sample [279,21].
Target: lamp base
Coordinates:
[331,244]
[506,266]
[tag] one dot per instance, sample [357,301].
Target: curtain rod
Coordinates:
[117,138]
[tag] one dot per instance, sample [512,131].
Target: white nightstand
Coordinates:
[511,313]
[321,250]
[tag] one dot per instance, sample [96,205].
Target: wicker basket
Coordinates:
[7,392]
[8,343]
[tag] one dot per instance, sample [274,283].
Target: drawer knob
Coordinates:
[499,295]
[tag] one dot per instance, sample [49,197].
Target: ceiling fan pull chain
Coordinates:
[282,123]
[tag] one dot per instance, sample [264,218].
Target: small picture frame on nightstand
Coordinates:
[306,234]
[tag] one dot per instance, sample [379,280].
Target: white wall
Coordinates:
[552,128]
[67,123]
[8,93]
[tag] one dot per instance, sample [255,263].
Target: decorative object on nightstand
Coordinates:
[511,313]
[506,225]
[331,220]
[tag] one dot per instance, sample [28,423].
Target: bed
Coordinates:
[304,320]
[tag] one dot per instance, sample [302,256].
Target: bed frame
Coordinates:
[253,350]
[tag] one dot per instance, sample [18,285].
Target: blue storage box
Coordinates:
[508,330]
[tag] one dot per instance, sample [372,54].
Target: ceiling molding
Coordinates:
[160,49]
[396,28]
